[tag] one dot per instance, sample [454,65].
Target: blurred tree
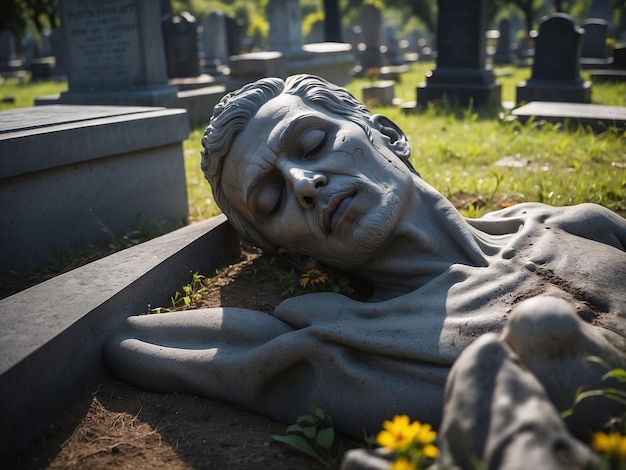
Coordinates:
[16,14]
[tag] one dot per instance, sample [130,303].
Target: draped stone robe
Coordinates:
[363,362]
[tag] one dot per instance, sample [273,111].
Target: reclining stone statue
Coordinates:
[303,170]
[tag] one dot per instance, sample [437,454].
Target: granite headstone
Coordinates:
[180,36]
[594,53]
[215,43]
[503,54]
[556,68]
[115,53]
[461,74]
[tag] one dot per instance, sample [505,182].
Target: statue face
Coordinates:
[313,183]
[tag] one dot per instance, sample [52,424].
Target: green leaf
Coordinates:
[309,432]
[296,442]
[295,428]
[320,413]
[619,374]
[326,437]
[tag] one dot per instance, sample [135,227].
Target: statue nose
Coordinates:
[306,185]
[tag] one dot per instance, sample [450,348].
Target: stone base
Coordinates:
[608,75]
[42,68]
[598,117]
[51,335]
[198,102]
[247,68]
[596,63]
[332,61]
[192,83]
[461,87]
[73,175]
[542,90]
[379,93]
[155,96]
[479,95]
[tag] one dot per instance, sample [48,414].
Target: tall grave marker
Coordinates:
[556,68]
[461,74]
[115,53]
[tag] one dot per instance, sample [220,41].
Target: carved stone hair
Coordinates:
[234,111]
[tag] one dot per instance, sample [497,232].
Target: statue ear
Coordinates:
[299,261]
[395,138]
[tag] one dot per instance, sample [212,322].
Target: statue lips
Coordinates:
[336,208]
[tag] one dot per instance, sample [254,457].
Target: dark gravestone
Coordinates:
[215,43]
[556,68]
[617,72]
[235,31]
[371,22]
[503,54]
[180,36]
[10,65]
[619,57]
[332,21]
[594,53]
[461,75]
[114,53]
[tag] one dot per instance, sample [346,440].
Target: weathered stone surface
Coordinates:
[78,169]
[51,335]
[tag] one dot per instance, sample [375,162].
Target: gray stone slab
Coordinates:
[599,117]
[51,335]
[73,175]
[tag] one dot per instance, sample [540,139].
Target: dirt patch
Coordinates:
[124,427]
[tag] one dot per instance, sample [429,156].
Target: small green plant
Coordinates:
[189,293]
[611,445]
[314,435]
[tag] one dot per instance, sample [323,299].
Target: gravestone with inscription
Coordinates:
[556,68]
[594,53]
[115,53]
[461,75]
[180,35]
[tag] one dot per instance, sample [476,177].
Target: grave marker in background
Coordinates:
[215,43]
[556,68]
[180,35]
[594,53]
[115,53]
[461,74]
[503,54]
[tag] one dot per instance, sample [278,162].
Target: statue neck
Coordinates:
[432,237]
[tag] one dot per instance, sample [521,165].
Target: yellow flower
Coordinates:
[402,435]
[398,434]
[425,438]
[612,445]
[313,276]
[402,463]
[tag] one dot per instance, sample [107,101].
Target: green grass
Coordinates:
[455,150]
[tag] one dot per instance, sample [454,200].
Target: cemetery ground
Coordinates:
[481,160]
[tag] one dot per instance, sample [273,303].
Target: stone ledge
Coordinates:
[598,117]
[39,138]
[71,176]
[51,335]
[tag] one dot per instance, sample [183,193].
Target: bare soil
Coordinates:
[124,427]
